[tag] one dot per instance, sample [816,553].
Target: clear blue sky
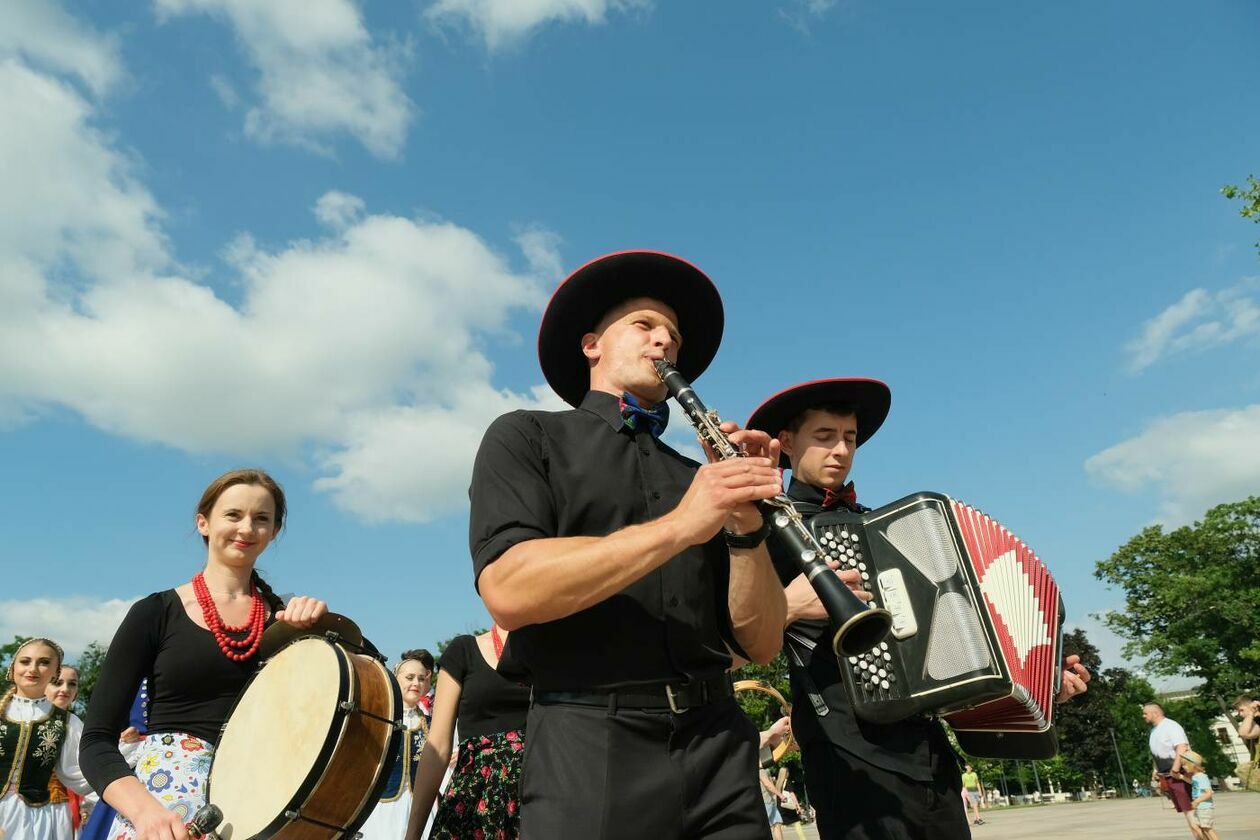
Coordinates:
[316,237]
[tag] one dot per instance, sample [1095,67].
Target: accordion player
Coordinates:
[977,632]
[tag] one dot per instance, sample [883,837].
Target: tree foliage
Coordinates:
[1249,195]
[1192,597]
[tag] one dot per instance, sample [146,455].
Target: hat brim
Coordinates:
[870,398]
[586,295]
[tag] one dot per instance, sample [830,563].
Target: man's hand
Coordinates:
[722,494]
[802,598]
[745,518]
[1076,678]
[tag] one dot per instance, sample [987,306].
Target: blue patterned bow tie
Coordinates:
[634,416]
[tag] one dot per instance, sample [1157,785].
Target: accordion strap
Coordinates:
[796,645]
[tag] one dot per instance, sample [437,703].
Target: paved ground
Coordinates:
[1237,818]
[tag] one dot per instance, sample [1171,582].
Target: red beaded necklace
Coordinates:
[498,641]
[237,650]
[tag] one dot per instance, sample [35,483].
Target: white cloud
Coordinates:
[42,32]
[320,72]
[501,23]
[333,349]
[72,621]
[1198,321]
[1192,461]
[802,14]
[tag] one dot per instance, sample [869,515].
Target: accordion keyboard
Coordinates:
[872,670]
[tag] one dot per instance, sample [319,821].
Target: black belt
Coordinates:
[676,697]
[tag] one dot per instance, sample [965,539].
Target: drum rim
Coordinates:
[395,741]
[331,739]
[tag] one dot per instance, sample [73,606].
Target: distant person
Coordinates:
[62,691]
[414,673]
[973,793]
[771,796]
[1248,710]
[1201,790]
[1168,742]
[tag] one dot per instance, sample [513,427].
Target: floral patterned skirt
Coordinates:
[482,802]
[173,767]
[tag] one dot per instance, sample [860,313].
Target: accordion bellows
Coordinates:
[977,623]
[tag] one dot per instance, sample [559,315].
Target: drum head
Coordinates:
[273,739]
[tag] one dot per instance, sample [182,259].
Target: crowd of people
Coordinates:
[625,583]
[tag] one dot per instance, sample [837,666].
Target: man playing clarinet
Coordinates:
[867,781]
[629,575]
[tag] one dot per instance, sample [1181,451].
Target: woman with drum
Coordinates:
[414,673]
[39,743]
[481,799]
[197,645]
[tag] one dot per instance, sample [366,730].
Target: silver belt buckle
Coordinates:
[673,704]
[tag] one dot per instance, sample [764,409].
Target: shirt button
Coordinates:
[656,495]
[673,600]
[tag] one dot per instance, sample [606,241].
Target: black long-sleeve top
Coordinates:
[192,685]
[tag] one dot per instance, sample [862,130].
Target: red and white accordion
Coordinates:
[977,623]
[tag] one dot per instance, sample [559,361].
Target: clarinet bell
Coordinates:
[862,631]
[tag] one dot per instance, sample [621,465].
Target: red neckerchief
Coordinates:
[846,496]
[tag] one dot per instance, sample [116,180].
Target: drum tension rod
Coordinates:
[351,706]
[340,829]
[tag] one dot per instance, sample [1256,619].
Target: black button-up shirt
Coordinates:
[912,747]
[577,473]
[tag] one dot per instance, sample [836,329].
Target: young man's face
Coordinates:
[626,342]
[822,448]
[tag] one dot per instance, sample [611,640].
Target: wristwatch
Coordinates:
[750,540]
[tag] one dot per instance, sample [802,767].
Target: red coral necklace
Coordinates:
[238,650]
[498,641]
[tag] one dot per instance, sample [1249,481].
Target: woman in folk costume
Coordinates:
[62,691]
[388,821]
[197,644]
[38,742]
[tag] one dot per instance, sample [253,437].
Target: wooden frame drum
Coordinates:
[308,746]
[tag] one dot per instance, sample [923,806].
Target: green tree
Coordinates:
[1192,597]
[89,666]
[1250,197]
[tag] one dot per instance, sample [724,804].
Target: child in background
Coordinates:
[1200,793]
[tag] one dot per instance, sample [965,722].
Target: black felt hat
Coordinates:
[587,294]
[870,399]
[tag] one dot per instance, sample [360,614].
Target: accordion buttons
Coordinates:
[853,660]
[884,684]
[883,645]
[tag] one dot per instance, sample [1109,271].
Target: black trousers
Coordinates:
[855,800]
[601,774]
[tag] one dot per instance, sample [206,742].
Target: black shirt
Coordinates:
[488,703]
[575,473]
[192,685]
[910,747]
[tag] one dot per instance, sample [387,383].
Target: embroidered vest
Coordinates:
[29,752]
[403,776]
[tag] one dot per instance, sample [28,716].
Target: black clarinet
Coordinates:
[859,627]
